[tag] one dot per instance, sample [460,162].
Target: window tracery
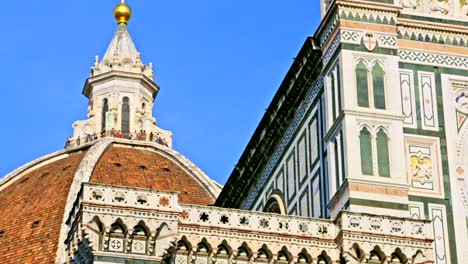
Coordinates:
[375,152]
[370,84]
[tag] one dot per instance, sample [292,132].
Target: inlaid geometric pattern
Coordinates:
[331,49]
[387,41]
[329,30]
[351,36]
[433,59]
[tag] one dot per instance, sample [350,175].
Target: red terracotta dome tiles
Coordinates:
[31,212]
[147,169]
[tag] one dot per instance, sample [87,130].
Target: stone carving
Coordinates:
[369,41]
[144,119]
[464,10]
[410,4]
[421,169]
[439,7]
[461,101]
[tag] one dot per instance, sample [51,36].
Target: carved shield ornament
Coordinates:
[369,41]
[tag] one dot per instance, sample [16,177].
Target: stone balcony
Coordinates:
[115,223]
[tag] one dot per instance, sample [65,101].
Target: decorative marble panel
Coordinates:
[181,259]
[139,247]
[291,174]
[116,244]
[126,196]
[437,214]
[304,203]
[302,158]
[416,210]
[428,102]
[423,165]
[408,104]
[422,172]
[316,197]
[351,36]
[314,141]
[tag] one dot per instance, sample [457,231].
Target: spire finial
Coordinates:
[122,13]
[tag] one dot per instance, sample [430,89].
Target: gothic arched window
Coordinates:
[383,154]
[125,127]
[274,205]
[378,86]
[105,109]
[366,151]
[362,85]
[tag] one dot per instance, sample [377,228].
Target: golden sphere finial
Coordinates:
[122,13]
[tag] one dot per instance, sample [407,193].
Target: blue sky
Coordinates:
[218,63]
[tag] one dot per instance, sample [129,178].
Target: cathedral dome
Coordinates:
[38,197]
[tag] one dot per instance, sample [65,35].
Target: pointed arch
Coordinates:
[284,255]
[362,84]
[244,252]
[223,249]
[118,227]
[304,257]
[358,252]
[96,225]
[105,109]
[125,126]
[418,258]
[378,85]
[141,229]
[264,254]
[376,254]
[383,155]
[204,247]
[398,257]
[365,142]
[323,258]
[183,245]
[275,204]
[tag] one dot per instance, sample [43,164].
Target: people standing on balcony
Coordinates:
[89,138]
[68,143]
[118,134]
